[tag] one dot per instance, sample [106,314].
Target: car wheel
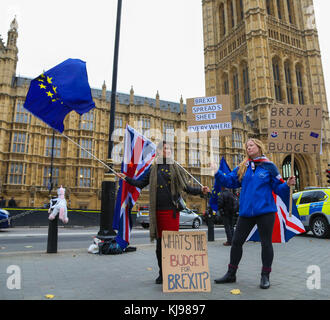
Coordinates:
[320,227]
[196,224]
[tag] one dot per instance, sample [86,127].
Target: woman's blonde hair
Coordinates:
[242,166]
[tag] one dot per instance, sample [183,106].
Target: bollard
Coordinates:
[209,219]
[52,235]
[210,224]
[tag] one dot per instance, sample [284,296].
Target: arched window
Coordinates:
[246,85]
[290,5]
[269,7]
[240,10]
[277,80]
[236,89]
[286,169]
[300,85]
[231,14]
[225,88]
[288,82]
[279,9]
[87,121]
[222,20]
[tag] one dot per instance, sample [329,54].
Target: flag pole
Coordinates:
[52,224]
[108,196]
[96,158]
[188,173]
[291,187]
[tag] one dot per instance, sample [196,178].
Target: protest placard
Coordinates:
[209,113]
[294,129]
[185,261]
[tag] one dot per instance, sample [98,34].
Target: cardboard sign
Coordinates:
[209,113]
[294,129]
[185,262]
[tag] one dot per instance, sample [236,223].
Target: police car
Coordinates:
[313,205]
[187,218]
[4,219]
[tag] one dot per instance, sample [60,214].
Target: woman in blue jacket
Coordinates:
[257,177]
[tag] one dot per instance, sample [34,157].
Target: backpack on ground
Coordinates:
[109,247]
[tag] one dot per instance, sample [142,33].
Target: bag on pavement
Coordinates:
[94,248]
[109,247]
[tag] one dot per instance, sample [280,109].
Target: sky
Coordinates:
[160,49]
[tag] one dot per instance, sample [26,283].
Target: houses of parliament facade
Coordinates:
[259,52]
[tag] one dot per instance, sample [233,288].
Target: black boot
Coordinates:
[159,280]
[229,277]
[264,281]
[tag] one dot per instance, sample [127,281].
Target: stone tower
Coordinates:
[8,55]
[265,51]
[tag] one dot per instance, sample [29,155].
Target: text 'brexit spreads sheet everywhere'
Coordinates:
[209,114]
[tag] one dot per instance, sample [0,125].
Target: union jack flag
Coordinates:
[139,153]
[285,227]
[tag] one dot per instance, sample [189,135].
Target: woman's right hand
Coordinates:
[121,175]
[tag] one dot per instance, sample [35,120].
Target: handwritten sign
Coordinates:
[185,262]
[209,113]
[295,129]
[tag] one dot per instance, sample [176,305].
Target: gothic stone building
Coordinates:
[262,52]
[26,142]
[257,51]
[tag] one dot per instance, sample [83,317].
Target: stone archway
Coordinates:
[304,167]
[286,169]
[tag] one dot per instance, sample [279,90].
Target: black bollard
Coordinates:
[209,219]
[52,234]
[210,224]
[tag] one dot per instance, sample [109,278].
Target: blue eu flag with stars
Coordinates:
[58,91]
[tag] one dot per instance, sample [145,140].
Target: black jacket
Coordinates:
[163,197]
[226,202]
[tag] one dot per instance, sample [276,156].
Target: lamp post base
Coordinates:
[108,201]
[52,235]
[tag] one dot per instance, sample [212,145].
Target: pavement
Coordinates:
[300,272]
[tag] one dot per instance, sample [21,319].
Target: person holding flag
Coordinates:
[167,181]
[258,177]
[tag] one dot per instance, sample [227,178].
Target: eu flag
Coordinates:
[58,91]
[213,202]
